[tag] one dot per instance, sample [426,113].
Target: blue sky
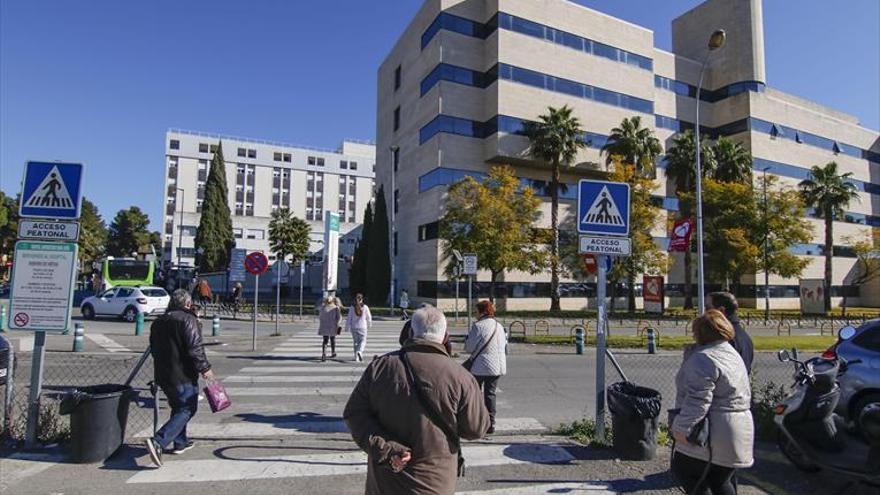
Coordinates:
[100,81]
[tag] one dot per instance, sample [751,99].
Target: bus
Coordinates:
[128,272]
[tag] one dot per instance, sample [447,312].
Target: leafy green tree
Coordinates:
[730,219]
[555,139]
[867,268]
[782,220]
[378,280]
[494,220]
[214,235]
[288,236]
[128,232]
[681,170]
[634,144]
[93,235]
[829,192]
[733,163]
[357,272]
[8,223]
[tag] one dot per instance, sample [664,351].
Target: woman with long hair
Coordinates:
[329,323]
[359,322]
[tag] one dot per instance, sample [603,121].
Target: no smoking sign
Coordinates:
[21,319]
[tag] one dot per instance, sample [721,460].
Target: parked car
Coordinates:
[126,302]
[860,382]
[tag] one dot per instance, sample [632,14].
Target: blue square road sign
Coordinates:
[51,190]
[603,207]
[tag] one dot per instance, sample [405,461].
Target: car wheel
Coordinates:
[794,454]
[862,403]
[88,312]
[130,314]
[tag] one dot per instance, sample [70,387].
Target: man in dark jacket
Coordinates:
[401,428]
[178,358]
[726,303]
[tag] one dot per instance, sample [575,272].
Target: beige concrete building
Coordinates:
[262,176]
[455,91]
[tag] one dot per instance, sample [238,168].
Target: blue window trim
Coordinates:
[710,96]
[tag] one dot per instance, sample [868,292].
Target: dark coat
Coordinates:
[386,418]
[176,346]
[742,342]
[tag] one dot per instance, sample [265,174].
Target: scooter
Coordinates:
[813,437]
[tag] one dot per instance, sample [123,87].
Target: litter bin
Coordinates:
[5,350]
[98,415]
[634,412]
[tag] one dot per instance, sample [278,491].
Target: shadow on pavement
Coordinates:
[303,421]
[221,453]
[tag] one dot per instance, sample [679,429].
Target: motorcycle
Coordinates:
[812,436]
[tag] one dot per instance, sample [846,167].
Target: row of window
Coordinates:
[711,96]
[276,156]
[257,234]
[500,123]
[467,27]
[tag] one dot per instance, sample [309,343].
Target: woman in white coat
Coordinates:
[359,322]
[487,344]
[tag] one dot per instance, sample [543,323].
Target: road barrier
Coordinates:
[542,327]
[651,340]
[215,326]
[783,327]
[79,334]
[139,323]
[826,328]
[579,340]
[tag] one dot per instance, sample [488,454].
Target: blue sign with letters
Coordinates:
[51,190]
[603,207]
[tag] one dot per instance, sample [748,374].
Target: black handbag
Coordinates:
[699,434]
[469,362]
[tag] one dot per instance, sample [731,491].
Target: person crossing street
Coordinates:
[329,327]
[358,323]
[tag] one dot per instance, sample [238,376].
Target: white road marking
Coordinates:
[290,379]
[276,391]
[588,487]
[341,463]
[106,342]
[301,369]
[22,465]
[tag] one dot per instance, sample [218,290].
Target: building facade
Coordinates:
[261,177]
[459,86]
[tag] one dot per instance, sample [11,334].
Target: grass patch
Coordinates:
[677,342]
[678,313]
[584,431]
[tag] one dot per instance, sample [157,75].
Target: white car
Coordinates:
[126,302]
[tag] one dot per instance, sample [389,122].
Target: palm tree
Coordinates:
[555,139]
[733,163]
[829,192]
[681,169]
[636,144]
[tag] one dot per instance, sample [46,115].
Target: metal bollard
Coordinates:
[579,340]
[2,318]
[139,323]
[652,341]
[79,337]
[215,326]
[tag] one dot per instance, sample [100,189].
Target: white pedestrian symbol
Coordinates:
[51,193]
[603,211]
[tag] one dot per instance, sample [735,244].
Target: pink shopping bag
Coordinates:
[217,397]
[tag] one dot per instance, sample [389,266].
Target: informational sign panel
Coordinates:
[51,190]
[469,264]
[48,230]
[284,268]
[680,239]
[812,296]
[612,246]
[256,263]
[237,272]
[652,294]
[42,286]
[331,250]
[603,207]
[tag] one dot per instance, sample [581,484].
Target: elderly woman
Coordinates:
[329,326]
[712,384]
[486,342]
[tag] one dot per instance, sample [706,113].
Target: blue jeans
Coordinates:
[183,400]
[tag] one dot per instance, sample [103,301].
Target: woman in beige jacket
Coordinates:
[329,326]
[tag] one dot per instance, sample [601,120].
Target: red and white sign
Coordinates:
[652,294]
[256,263]
[590,265]
[680,240]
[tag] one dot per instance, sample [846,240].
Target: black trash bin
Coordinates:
[5,350]
[634,412]
[98,415]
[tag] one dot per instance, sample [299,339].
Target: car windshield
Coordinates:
[154,292]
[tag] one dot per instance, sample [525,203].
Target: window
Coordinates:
[252,153]
[312,160]
[397,78]
[397,118]
[320,162]
[287,157]
[276,156]
[124,292]
[343,165]
[429,231]
[203,147]
[238,233]
[213,148]
[242,152]
[353,165]
[396,200]
[394,241]
[258,234]
[395,157]
[174,144]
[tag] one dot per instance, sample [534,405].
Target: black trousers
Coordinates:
[688,471]
[489,384]
[332,341]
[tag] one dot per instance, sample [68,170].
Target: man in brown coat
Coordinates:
[408,452]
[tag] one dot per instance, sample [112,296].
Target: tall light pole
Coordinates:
[766,253]
[716,41]
[180,230]
[394,150]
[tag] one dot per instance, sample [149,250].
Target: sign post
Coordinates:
[280,266]
[600,346]
[302,271]
[256,263]
[469,262]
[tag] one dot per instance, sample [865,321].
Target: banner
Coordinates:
[652,294]
[680,240]
[812,296]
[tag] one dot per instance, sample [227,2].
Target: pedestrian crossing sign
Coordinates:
[51,190]
[603,207]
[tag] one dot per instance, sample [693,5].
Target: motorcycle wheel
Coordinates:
[794,455]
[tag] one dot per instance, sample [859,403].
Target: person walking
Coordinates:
[329,327]
[486,343]
[237,294]
[178,360]
[358,323]
[410,410]
[712,393]
[742,342]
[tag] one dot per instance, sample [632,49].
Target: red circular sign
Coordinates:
[21,319]
[256,263]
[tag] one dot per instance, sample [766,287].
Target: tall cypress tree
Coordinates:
[214,235]
[357,274]
[378,258]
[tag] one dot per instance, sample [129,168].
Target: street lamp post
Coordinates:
[766,253]
[180,229]
[394,155]
[716,41]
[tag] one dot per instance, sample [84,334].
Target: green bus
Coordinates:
[126,272]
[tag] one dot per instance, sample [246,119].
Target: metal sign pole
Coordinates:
[600,346]
[278,264]
[256,300]
[457,279]
[33,415]
[470,303]
[302,270]
[7,398]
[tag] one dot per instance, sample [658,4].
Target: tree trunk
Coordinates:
[631,291]
[494,276]
[554,247]
[613,294]
[829,253]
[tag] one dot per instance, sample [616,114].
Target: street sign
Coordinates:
[48,230]
[590,264]
[652,294]
[469,264]
[51,190]
[256,263]
[331,250]
[612,246]
[603,207]
[236,265]
[42,286]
